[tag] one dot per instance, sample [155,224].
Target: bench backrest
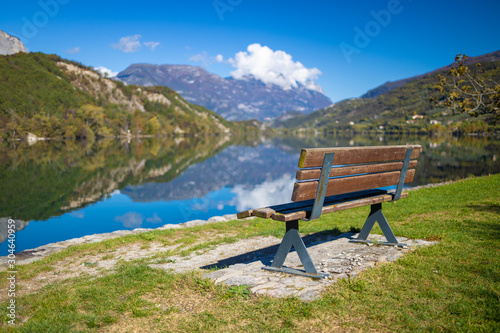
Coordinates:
[354,169]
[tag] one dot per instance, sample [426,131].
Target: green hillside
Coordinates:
[404,109]
[52,97]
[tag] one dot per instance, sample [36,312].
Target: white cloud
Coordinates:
[200,57]
[74,50]
[205,59]
[128,44]
[276,67]
[130,220]
[106,72]
[152,45]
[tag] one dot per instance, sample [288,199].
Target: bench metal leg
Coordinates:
[376,215]
[292,237]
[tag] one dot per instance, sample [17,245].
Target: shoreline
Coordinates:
[31,255]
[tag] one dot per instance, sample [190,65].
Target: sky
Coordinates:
[342,48]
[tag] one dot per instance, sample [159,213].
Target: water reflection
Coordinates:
[270,192]
[62,190]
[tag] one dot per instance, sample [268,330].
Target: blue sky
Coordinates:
[344,47]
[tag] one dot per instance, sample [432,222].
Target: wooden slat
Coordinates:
[354,170]
[307,190]
[313,157]
[263,212]
[246,213]
[302,214]
[267,212]
[334,199]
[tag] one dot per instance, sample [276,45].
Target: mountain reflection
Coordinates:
[236,166]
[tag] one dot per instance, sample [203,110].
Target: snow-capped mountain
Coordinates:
[234,99]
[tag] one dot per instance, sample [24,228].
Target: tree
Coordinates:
[469,92]
[153,126]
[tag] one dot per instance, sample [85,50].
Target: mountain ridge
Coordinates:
[234,99]
[390,85]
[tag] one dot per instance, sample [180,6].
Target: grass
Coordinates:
[451,286]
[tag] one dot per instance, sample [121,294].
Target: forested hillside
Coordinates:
[53,97]
[404,109]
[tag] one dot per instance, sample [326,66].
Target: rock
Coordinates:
[228,273]
[10,44]
[241,280]
[214,275]
[169,226]
[217,219]
[230,217]
[141,230]
[254,266]
[309,295]
[194,223]
[263,287]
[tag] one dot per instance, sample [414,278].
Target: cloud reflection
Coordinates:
[130,220]
[265,194]
[154,219]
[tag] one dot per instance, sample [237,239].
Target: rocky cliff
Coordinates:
[10,44]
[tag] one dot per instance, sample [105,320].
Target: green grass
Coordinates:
[451,286]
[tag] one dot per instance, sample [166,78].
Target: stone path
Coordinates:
[332,255]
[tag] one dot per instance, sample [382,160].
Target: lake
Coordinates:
[65,189]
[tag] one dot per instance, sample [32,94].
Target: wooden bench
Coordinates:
[335,179]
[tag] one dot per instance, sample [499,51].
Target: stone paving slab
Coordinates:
[333,255]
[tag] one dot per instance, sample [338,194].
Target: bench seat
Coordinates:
[335,203]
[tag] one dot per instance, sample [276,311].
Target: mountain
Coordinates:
[10,44]
[233,99]
[53,97]
[388,86]
[406,108]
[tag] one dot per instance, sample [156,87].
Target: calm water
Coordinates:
[62,190]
